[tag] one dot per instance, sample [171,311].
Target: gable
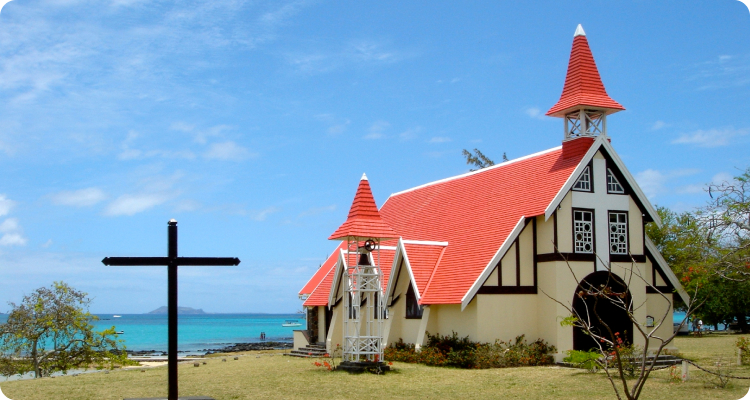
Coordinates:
[618,167]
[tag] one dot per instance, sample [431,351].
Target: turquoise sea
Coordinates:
[197,333]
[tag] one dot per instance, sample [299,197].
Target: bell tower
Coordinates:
[584,103]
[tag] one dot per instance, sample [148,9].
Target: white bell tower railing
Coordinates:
[583,122]
[363,304]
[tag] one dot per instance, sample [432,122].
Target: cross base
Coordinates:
[180,398]
[359,367]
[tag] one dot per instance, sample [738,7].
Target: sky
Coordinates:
[251,122]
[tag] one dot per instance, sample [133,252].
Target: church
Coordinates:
[492,253]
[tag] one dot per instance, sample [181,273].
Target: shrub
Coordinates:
[461,352]
[743,344]
[588,360]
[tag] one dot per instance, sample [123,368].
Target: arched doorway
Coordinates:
[612,315]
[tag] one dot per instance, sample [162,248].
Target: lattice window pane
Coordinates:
[583,230]
[618,233]
[584,181]
[613,185]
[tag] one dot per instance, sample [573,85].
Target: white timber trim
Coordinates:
[425,242]
[493,262]
[572,178]
[664,267]
[419,342]
[340,265]
[479,171]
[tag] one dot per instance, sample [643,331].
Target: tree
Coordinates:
[726,218]
[479,160]
[620,359]
[51,331]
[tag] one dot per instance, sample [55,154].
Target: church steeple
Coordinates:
[584,103]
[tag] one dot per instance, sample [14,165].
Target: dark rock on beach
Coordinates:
[251,346]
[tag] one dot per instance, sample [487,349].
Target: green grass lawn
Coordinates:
[278,377]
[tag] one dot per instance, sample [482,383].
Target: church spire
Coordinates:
[364,220]
[584,102]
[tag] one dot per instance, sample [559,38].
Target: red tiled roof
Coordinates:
[364,219]
[321,273]
[475,213]
[583,85]
[320,294]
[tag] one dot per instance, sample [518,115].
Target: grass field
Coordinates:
[265,375]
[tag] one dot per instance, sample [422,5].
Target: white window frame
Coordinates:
[588,182]
[618,232]
[613,183]
[583,231]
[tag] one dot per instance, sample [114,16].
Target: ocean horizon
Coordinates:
[197,333]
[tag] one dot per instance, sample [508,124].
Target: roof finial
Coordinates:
[364,177]
[579,31]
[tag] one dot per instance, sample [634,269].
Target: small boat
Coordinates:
[120,332]
[115,316]
[291,322]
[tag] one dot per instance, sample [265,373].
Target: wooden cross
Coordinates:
[171,261]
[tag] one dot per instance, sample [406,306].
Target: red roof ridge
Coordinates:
[437,264]
[424,242]
[479,171]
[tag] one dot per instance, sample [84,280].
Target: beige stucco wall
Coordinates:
[526,248]
[448,318]
[545,231]
[635,225]
[658,306]
[508,270]
[400,326]
[565,225]
[321,323]
[506,316]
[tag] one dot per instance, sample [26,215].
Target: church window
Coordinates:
[583,183]
[618,233]
[413,309]
[613,185]
[583,231]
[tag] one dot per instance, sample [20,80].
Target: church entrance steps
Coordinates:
[310,351]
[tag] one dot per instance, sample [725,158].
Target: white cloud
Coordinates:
[377,130]
[12,239]
[229,151]
[12,235]
[654,182]
[47,244]
[263,214]
[129,204]
[440,139]
[5,205]
[711,138]
[317,210]
[410,133]
[659,124]
[535,113]
[79,198]
[9,225]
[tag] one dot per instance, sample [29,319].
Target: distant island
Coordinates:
[180,310]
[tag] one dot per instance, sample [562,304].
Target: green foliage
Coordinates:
[478,159]
[625,354]
[588,360]
[51,331]
[743,344]
[460,352]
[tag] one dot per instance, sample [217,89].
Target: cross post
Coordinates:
[172,261]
